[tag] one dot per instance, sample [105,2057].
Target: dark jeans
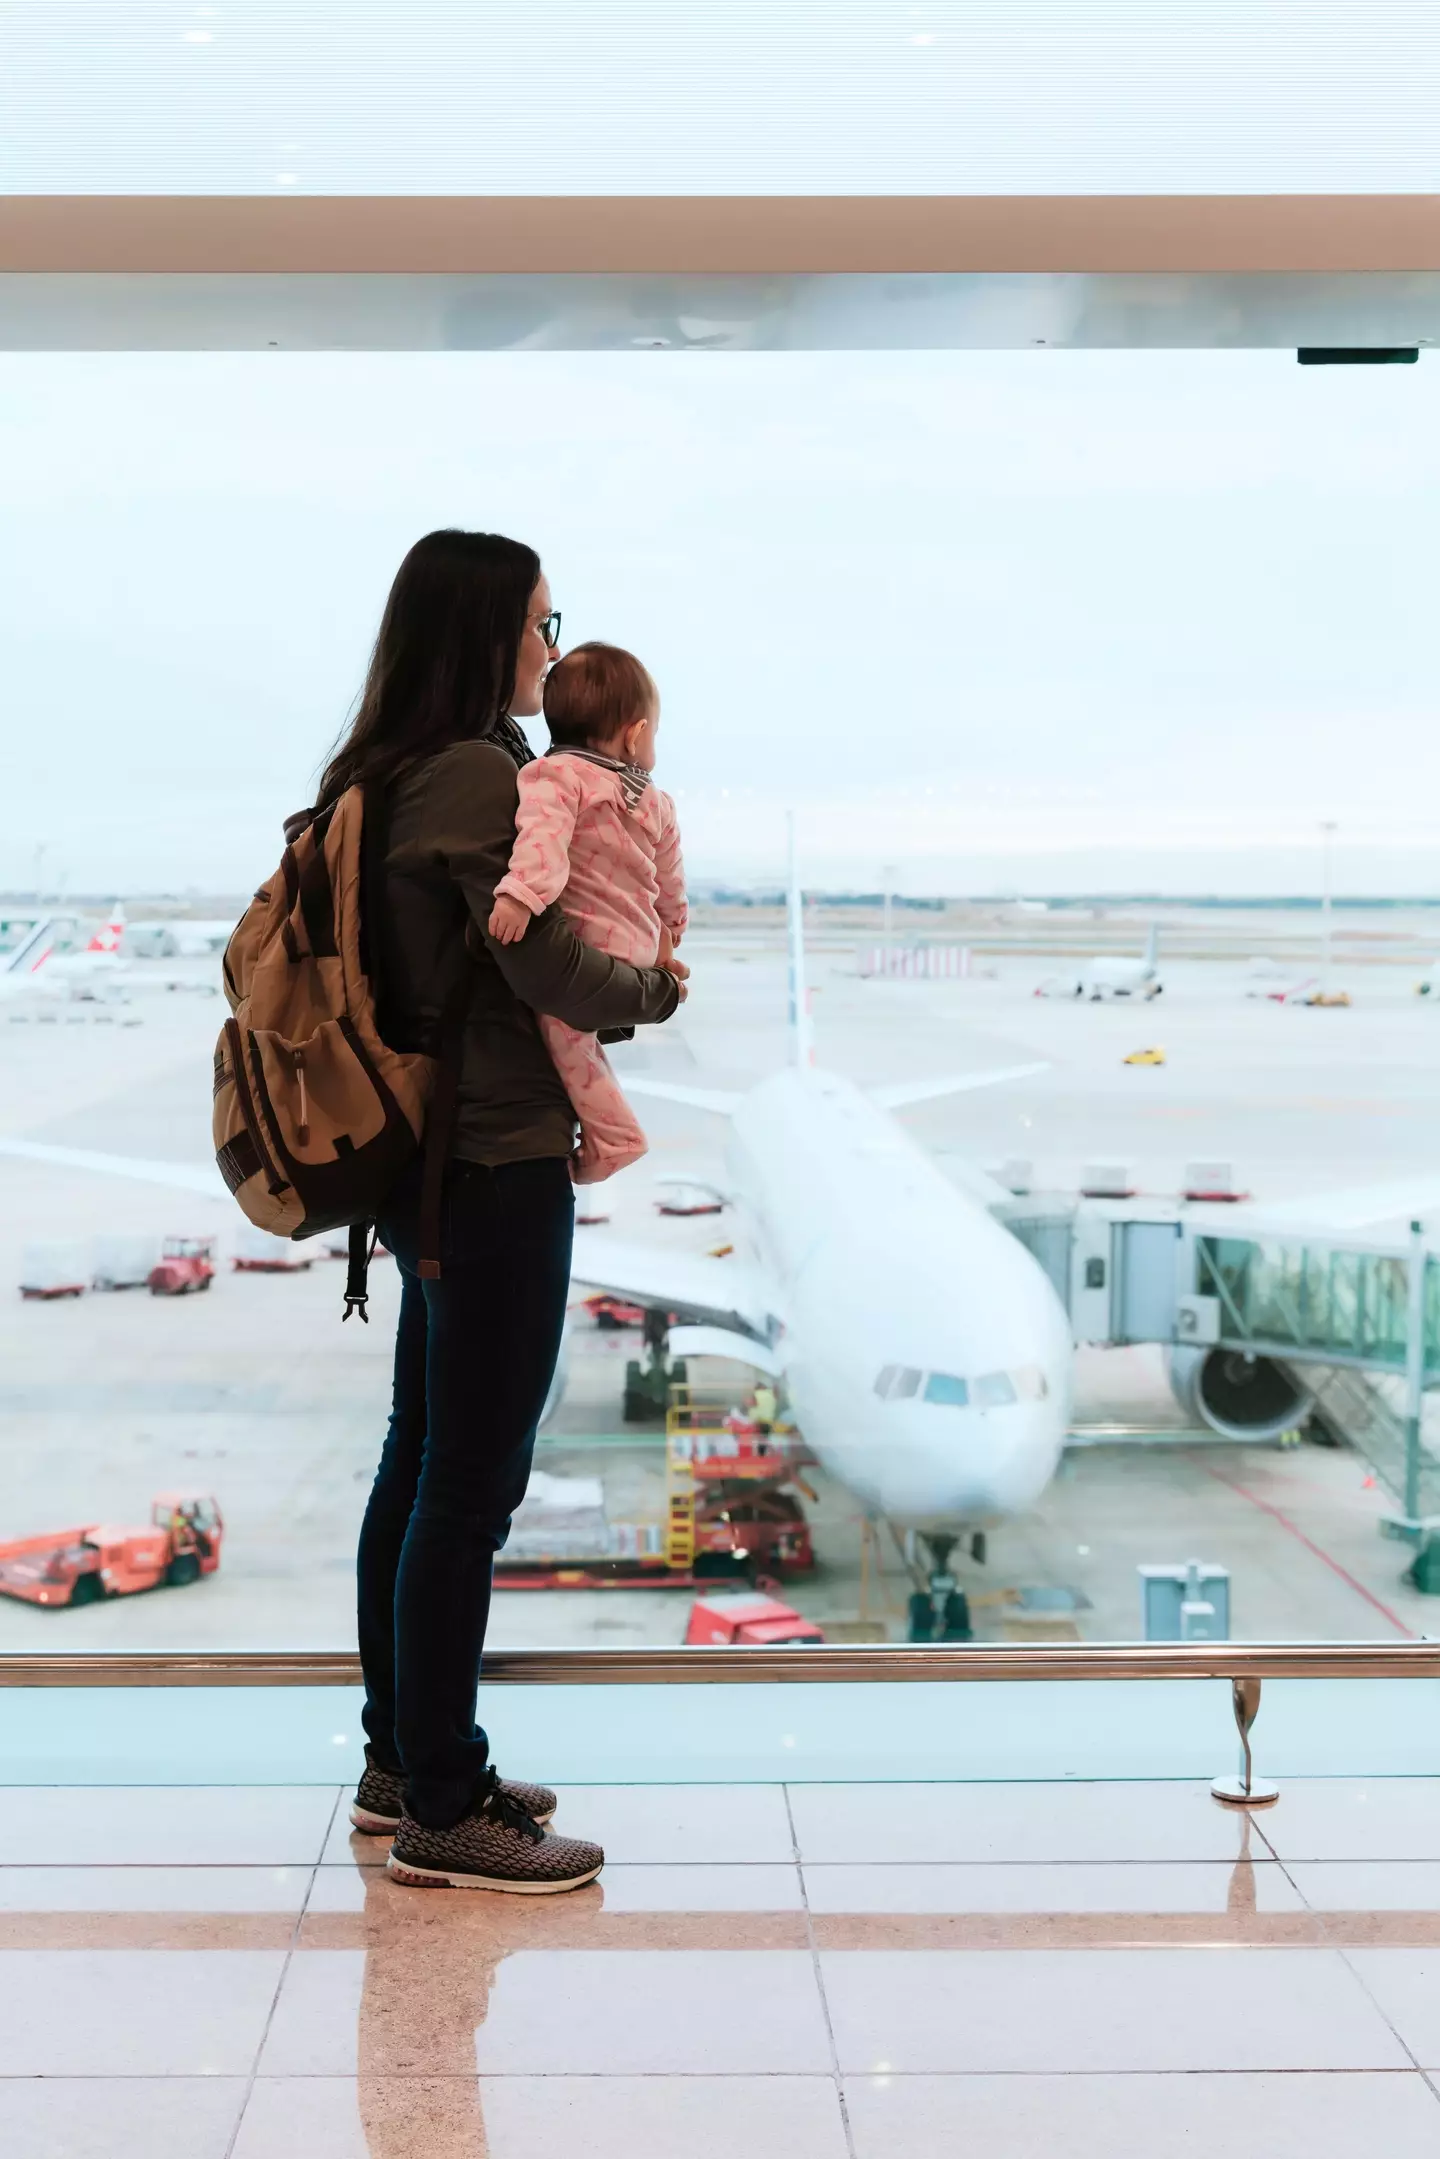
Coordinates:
[475,1353]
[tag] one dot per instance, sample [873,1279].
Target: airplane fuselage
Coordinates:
[924,1350]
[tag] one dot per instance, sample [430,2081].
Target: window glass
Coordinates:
[944,1388]
[1060,867]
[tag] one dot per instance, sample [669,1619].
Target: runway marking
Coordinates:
[1311,1546]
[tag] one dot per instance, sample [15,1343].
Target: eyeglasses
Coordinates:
[549,628]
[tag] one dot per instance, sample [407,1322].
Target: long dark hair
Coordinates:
[443,668]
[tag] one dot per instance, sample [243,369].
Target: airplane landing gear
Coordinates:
[940,1613]
[649,1378]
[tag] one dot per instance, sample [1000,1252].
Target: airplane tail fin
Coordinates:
[107,939]
[802,1047]
[33,950]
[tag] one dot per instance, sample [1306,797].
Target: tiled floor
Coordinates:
[824,1972]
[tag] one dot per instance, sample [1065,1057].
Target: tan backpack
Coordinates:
[315,1116]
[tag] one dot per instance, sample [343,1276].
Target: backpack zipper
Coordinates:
[302,1129]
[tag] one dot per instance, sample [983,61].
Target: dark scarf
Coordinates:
[508,737]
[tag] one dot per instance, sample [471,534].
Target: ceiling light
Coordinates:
[197,37]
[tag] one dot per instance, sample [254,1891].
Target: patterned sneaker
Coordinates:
[495,1846]
[380,1799]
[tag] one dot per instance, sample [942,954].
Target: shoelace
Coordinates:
[495,1803]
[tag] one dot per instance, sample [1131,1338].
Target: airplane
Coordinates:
[99,974]
[22,968]
[923,1349]
[1120,976]
[179,939]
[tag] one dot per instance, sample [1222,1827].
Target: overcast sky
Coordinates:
[1034,621]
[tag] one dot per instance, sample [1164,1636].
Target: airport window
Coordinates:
[944,1388]
[1054,857]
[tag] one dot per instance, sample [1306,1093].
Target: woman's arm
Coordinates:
[550,969]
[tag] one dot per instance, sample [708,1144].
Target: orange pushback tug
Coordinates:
[79,1566]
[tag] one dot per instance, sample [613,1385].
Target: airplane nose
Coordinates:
[974,1463]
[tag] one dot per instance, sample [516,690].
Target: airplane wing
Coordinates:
[724,1342]
[1351,1207]
[901,1093]
[712,1098]
[724,1290]
[180,1176]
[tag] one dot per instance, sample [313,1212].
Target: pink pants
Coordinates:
[610,1137]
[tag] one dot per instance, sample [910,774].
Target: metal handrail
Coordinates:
[805,1665]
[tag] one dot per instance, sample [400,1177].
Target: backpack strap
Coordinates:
[363,1239]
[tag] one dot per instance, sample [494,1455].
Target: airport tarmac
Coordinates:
[255,1393]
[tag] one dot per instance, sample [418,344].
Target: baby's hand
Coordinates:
[509,920]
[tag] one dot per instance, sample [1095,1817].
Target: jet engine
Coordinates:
[1239,1396]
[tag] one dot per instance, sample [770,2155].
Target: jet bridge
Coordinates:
[1262,1328]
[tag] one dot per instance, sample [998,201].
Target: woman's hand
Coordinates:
[666,958]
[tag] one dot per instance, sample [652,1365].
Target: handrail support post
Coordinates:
[1246,1790]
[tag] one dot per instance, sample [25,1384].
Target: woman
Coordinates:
[465,641]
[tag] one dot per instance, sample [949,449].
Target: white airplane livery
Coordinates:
[1113,975]
[924,1351]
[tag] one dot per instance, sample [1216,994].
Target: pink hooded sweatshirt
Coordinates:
[602,839]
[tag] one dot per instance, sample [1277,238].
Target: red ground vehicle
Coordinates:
[762,1622]
[768,1526]
[614,1311]
[78,1566]
[185,1263]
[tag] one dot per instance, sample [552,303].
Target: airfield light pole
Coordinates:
[1328,829]
[888,874]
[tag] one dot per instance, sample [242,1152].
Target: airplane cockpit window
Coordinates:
[944,1388]
[886,1380]
[1030,1383]
[898,1382]
[994,1390]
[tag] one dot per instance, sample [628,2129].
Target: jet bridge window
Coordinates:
[950,1392]
[897,1383]
[994,1390]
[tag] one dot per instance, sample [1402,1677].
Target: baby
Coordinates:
[593,832]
